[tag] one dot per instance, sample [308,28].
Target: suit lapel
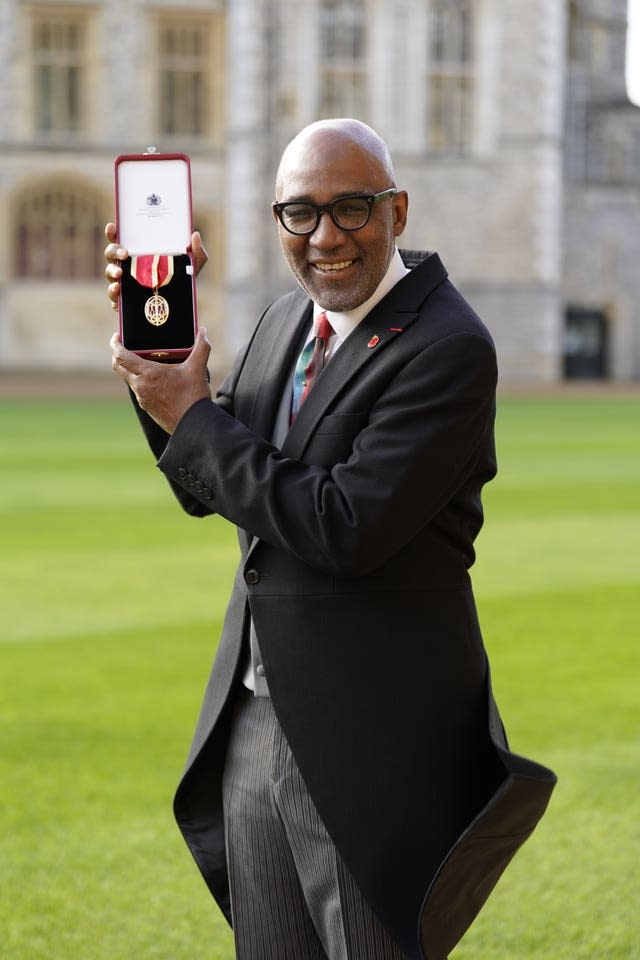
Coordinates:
[367,344]
[276,344]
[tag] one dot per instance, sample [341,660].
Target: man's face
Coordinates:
[339,269]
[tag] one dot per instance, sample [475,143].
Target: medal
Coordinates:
[154,271]
[156,310]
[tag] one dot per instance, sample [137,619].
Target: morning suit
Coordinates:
[356,537]
[292,896]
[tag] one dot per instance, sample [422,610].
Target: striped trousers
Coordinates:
[291,896]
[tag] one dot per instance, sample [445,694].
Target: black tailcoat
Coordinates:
[356,539]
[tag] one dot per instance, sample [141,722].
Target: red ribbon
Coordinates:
[152,271]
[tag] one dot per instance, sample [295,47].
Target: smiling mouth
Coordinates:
[332,267]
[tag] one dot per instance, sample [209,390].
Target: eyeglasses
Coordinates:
[348,213]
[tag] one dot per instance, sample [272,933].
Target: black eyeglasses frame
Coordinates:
[370,198]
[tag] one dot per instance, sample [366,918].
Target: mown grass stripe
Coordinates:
[96,725]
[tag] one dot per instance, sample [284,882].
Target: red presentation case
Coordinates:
[157,306]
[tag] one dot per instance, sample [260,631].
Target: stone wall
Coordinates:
[541,212]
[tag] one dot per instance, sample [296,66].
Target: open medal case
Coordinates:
[157,304]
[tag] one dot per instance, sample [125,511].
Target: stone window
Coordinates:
[58,232]
[575,34]
[343,77]
[58,45]
[451,72]
[191,70]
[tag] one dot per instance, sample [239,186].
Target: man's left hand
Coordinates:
[165,390]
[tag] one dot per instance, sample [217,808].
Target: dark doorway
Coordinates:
[585,344]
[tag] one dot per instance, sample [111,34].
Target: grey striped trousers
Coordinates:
[291,896]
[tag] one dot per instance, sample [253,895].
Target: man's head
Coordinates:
[340,268]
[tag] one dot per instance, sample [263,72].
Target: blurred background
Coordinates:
[513,126]
[509,121]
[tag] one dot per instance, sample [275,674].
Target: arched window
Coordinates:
[58,232]
[343,78]
[451,63]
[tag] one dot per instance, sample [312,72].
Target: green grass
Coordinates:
[111,602]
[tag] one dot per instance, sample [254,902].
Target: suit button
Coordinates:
[252,576]
[182,474]
[199,488]
[260,670]
[206,493]
[190,479]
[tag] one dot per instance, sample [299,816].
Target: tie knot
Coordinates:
[323,327]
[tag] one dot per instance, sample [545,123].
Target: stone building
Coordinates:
[508,121]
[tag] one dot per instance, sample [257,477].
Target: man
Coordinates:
[349,793]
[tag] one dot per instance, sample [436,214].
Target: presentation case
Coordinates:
[157,305]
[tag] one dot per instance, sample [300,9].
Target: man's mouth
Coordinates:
[333,267]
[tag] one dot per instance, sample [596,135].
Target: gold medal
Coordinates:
[154,271]
[156,310]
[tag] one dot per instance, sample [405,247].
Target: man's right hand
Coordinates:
[114,253]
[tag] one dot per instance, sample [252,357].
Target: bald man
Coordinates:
[349,793]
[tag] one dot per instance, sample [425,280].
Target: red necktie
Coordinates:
[310,363]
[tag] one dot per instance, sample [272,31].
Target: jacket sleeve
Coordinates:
[419,445]
[157,438]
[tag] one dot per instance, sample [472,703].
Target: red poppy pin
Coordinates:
[375,340]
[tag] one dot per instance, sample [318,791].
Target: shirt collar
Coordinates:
[346,322]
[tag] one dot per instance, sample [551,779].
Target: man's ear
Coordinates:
[400,208]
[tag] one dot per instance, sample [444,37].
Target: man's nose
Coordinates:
[326,235]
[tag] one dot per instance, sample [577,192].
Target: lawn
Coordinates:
[111,603]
